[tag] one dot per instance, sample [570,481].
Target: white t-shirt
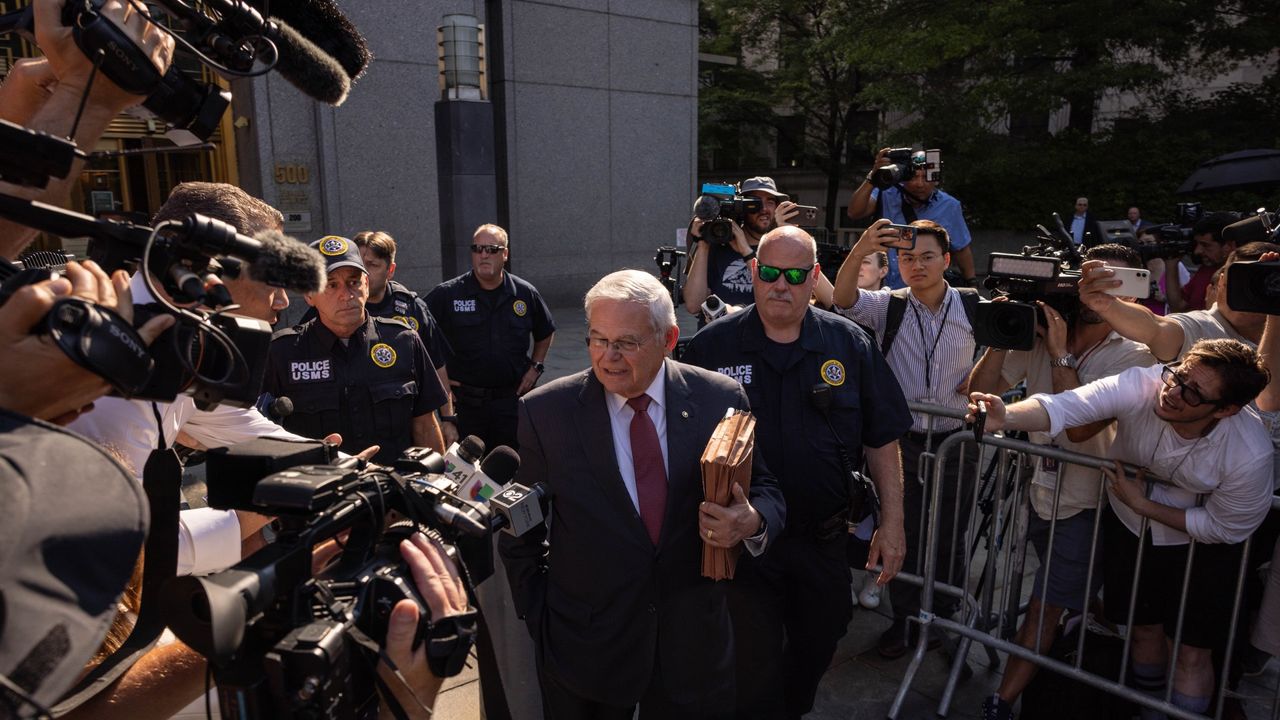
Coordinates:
[1231,466]
[1113,355]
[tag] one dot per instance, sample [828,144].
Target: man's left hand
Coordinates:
[726,526]
[888,549]
[1131,491]
[528,381]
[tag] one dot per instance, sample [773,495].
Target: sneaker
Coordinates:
[995,708]
[869,598]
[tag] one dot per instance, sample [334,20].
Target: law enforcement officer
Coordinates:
[390,299]
[489,316]
[368,378]
[815,382]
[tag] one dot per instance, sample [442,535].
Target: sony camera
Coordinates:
[719,205]
[904,163]
[1048,273]
[286,642]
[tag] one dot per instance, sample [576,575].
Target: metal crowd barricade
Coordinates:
[988,620]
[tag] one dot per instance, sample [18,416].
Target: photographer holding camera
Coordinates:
[723,269]
[913,197]
[1064,357]
[1212,250]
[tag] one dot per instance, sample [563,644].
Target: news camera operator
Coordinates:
[913,198]
[209,539]
[723,269]
[1212,250]
[46,94]
[1189,423]
[1065,356]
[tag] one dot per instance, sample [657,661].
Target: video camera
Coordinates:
[1047,272]
[1252,285]
[904,164]
[211,356]
[283,642]
[1173,240]
[719,205]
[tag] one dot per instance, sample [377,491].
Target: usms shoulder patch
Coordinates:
[520,307]
[833,373]
[383,355]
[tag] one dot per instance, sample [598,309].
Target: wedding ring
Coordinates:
[710,532]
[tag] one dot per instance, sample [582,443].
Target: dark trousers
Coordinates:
[905,597]
[493,420]
[560,703]
[790,607]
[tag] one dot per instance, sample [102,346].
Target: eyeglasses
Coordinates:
[488,249]
[1190,395]
[794,276]
[626,347]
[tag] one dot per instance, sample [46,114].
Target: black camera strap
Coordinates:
[863,499]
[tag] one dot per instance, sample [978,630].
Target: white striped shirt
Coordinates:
[932,354]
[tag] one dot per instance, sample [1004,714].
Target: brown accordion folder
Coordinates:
[726,462]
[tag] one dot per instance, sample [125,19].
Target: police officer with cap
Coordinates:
[489,317]
[823,396]
[365,377]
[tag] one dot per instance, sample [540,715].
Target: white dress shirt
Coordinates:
[1231,466]
[620,415]
[208,539]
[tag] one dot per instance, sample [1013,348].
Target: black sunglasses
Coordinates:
[488,249]
[794,276]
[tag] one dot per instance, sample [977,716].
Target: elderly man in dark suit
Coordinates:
[619,612]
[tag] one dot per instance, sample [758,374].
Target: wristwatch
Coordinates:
[449,418]
[537,366]
[1066,361]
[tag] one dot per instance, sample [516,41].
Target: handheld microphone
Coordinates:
[279,409]
[461,458]
[497,469]
[518,509]
[321,22]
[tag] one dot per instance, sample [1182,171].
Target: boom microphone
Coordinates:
[287,263]
[321,22]
[1259,228]
[307,67]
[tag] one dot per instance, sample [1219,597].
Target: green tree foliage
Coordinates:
[982,81]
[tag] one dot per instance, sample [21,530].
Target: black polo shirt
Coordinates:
[401,303]
[489,330]
[369,389]
[866,405]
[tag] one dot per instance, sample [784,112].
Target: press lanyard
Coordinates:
[928,358]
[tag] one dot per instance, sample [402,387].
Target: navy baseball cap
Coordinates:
[339,252]
[763,184]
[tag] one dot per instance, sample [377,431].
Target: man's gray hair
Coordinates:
[638,287]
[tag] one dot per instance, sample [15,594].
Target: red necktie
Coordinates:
[651,473]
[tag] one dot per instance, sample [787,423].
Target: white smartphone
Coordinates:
[1137,282]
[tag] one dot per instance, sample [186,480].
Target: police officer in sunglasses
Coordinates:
[491,318]
[823,396]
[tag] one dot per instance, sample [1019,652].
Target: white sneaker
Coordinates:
[869,598]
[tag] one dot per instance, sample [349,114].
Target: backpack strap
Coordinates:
[893,320]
